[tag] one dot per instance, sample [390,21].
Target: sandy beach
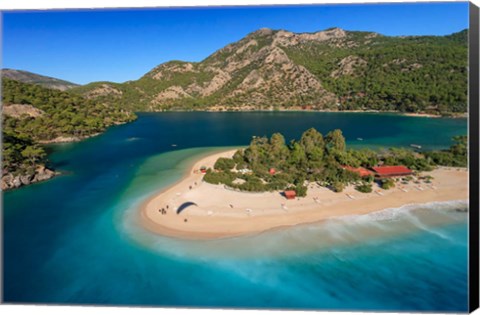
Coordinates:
[218,212]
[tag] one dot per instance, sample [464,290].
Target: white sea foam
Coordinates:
[341,231]
[391,214]
[422,226]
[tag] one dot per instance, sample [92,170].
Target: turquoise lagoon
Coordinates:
[76,240]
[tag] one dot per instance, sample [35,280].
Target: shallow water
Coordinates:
[75,239]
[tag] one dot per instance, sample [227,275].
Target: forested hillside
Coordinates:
[33,114]
[409,74]
[328,70]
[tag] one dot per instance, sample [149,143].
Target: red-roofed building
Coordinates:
[392,171]
[363,172]
[290,194]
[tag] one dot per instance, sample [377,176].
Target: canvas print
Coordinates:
[267,157]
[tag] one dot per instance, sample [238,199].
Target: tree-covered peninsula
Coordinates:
[33,115]
[272,164]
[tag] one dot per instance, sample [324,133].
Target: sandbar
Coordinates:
[219,212]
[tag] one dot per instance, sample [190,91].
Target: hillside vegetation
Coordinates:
[329,70]
[33,114]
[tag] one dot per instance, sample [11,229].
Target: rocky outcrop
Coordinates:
[66,139]
[103,90]
[413,66]
[171,93]
[19,110]
[347,66]
[11,181]
[254,71]
[167,70]
[216,83]
[285,38]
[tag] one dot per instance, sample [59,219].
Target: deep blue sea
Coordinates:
[75,239]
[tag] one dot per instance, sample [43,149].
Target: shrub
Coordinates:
[369,179]
[277,184]
[301,190]
[364,188]
[224,164]
[218,177]
[387,183]
[238,157]
[253,184]
[286,177]
[338,186]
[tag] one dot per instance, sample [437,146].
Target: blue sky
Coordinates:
[120,45]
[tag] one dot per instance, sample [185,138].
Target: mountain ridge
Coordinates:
[333,69]
[34,78]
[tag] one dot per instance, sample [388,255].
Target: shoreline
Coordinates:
[68,139]
[24,180]
[218,212]
[300,110]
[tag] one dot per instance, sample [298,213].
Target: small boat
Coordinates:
[416,146]
[174,145]
[360,139]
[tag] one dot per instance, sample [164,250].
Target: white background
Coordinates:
[44,4]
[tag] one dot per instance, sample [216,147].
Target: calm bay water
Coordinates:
[75,240]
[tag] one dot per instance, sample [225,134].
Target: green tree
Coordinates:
[278,149]
[224,164]
[335,141]
[298,156]
[33,154]
[313,144]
